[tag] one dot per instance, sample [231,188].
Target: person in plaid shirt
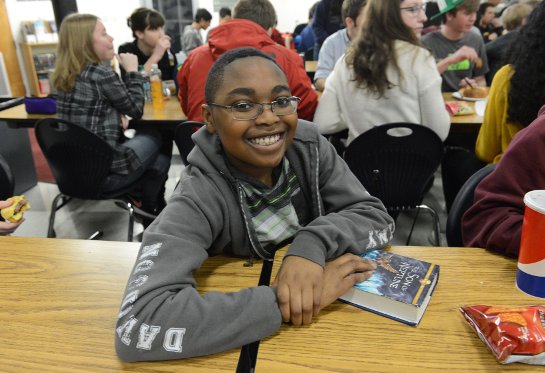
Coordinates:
[92,95]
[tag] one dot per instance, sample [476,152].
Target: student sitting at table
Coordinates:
[258,178]
[151,45]
[250,27]
[93,96]
[386,75]
[494,221]
[335,45]
[459,51]
[517,91]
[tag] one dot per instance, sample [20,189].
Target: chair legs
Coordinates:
[435,218]
[131,221]
[54,208]
[97,235]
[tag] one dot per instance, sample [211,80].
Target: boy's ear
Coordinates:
[206,112]
[139,34]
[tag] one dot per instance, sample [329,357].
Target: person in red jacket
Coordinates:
[253,20]
[494,221]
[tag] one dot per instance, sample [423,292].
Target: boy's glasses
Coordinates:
[250,110]
[415,10]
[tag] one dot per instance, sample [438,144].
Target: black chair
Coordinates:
[7,183]
[463,200]
[80,162]
[396,163]
[182,137]
[338,140]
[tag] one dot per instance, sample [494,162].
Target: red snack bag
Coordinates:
[513,334]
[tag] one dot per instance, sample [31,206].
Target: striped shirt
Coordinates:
[97,101]
[274,216]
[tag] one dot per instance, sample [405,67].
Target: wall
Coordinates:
[114,14]
[19,11]
[290,13]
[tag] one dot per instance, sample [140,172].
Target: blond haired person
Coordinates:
[93,96]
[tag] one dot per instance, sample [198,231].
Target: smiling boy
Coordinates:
[257,179]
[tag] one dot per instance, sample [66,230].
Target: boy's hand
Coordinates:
[464,53]
[299,289]
[342,273]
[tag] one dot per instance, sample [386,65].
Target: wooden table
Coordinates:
[170,116]
[59,301]
[473,119]
[348,339]
[60,298]
[310,66]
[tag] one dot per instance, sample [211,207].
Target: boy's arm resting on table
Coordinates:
[353,220]
[163,316]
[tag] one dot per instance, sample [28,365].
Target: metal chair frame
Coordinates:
[80,162]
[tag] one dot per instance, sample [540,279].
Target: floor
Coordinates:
[80,219]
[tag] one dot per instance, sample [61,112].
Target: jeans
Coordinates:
[152,173]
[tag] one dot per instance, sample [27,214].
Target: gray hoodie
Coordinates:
[162,315]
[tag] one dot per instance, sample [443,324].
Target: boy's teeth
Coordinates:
[266,140]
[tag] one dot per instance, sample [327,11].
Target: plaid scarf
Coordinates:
[273,215]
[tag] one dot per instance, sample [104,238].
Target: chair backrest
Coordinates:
[79,159]
[7,183]
[396,162]
[463,200]
[182,137]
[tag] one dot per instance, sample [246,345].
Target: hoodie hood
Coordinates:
[237,33]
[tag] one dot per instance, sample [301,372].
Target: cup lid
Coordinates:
[535,199]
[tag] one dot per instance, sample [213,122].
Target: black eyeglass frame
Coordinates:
[261,107]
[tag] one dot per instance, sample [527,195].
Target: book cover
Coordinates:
[400,287]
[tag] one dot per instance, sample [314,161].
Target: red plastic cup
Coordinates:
[531,262]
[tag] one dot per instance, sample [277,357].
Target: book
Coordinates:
[400,288]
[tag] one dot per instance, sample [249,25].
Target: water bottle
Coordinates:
[170,58]
[156,88]
[147,88]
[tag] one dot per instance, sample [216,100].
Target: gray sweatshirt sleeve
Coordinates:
[353,220]
[163,316]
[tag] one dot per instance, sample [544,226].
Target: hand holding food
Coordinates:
[13,212]
[465,53]
[474,92]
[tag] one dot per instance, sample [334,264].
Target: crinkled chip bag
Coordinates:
[513,334]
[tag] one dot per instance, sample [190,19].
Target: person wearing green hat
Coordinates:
[460,53]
